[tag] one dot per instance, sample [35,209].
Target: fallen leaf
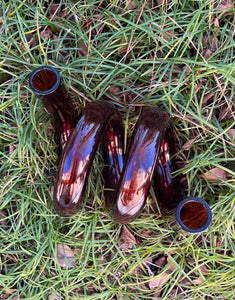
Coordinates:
[188,144]
[217,27]
[162,278]
[65,256]
[127,239]
[115,89]
[158,281]
[231,133]
[199,280]
[207,97]
[208,53]
[53,296]
[47,34]
[227,112]
[215,174]
[226,5]
[132,5]
[167,35]
[3,220]
[83,50]
[7,294]
[160,261]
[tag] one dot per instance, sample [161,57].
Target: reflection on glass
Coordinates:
[139,165]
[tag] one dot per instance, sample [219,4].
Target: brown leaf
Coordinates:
[231,133]
[167,35]
[215,174]
[65,256]
[53,296]
[83,50]
[7,294]
[161,261]
[226,111]
[47,34]
[207,53]
[114,89]
[158,281]
[127,239]
[3,220]
[162,278]
[132,5]
[199,280]
[188,144]
[225,5]
[207,97]
[217,27]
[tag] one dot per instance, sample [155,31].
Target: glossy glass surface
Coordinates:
[78,156]
[193,215]
[139,165]
[45,83]
[166,185]
[113,152]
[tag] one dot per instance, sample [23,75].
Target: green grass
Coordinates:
[175,55]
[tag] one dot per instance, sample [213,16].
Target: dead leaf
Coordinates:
[127,239]
[65,256]
[207,53]
[47,34]
[53,296]
[162,278]
[231,133]
[158,281]
[3,220]
[83,50]
[199,280]
[207,97]
[226,111]
[7,294]
[161,261]
[217,27]
[226,5]
[215,174]
[167,35]
[114,89]
[132,5]
[188,144]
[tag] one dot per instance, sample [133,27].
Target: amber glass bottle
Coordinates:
[45,82]
[193,215]
[166,185]
[139,165]
[78,155]
[113,154]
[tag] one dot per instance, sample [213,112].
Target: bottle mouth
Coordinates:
[193,215]
[44,80]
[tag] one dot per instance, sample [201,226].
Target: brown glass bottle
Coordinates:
[166,185]
[139,165]
[45,82]
[113,154]
[78,155]
[193,215]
